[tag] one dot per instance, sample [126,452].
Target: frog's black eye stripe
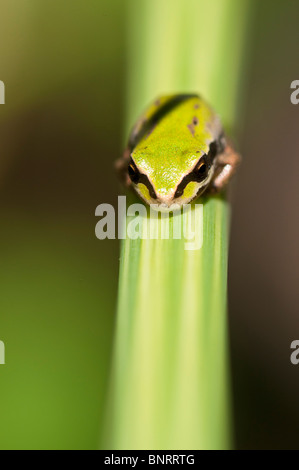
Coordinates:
[144,126]
[137,177]
[214,148]
[180,191]
[133,172]
[144,180]
[199,174]
[201,170]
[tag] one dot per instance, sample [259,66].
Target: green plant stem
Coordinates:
[170,386]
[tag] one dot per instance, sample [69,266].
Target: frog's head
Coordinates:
[172,159]
[169,183]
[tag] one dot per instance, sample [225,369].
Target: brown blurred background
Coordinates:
[63,64]
[263,270]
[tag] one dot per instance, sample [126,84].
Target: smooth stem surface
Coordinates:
[170,386]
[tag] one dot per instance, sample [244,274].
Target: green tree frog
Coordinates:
[176,151]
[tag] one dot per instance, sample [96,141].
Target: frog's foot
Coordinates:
[226,163]
[121,167]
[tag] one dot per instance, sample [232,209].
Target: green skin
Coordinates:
[176,151]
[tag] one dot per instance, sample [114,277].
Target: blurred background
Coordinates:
[64,66]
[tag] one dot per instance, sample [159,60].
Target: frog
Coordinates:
[177,151]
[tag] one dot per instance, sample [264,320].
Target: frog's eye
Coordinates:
[201,170]
[133,173]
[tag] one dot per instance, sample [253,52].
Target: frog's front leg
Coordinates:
[226,164]
[121,167]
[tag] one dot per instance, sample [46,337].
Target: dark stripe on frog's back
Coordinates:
[145,126]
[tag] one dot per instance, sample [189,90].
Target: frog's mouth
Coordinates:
[165,208]
[192,191]
[171,204]
[187,191]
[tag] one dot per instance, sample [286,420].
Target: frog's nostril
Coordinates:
[166,200]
